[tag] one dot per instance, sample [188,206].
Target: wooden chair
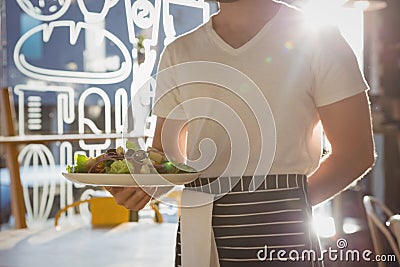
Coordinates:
[18,208]
[377,226]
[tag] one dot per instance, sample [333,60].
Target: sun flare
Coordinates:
[319,13]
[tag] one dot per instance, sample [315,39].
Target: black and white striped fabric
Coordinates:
[277,215]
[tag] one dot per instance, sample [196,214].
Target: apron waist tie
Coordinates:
[197,237]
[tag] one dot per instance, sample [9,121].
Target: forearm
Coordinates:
[335,174]
[170,137]
[347,125]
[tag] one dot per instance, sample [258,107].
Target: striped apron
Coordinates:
[251,227]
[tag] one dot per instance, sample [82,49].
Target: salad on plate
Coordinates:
[127,161]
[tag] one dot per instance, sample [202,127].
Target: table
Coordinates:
[128,244]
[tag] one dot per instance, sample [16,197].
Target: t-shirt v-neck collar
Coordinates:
[228,48]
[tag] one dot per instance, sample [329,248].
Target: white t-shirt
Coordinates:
[296,69]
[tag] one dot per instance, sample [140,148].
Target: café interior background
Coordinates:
[74,66]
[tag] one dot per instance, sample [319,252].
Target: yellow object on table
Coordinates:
[105,211]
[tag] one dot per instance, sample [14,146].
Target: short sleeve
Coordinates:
[337,74]
[167,97]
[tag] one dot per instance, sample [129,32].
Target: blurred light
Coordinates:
[324,226]
[289,45]
[350,21]
[351,228]
[72,66]
[364,5]
[322,12]
[268,59]
[351,225]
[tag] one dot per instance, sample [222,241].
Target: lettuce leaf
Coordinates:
[82,164]
[131,145]
[120,167]
[70,169]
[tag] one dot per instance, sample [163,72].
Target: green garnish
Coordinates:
[120,167]
[131,145]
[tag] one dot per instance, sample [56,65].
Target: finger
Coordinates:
[142,203]
[136,198]
[124,195]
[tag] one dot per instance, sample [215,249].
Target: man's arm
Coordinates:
[170,137]
[347,125]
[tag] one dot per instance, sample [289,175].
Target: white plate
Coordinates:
[131,179]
